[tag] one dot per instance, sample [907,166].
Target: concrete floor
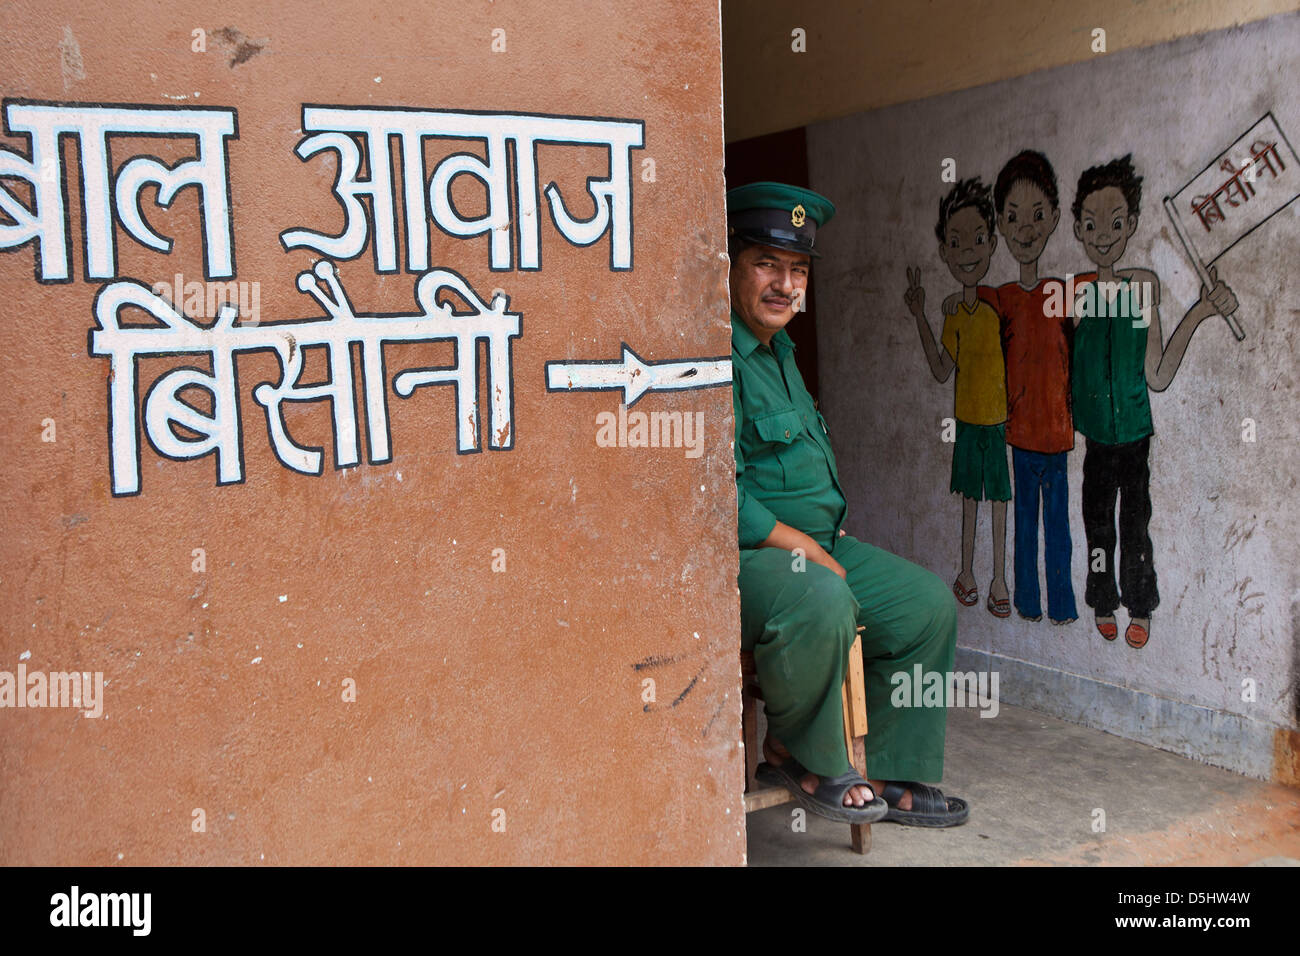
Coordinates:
[1034,784]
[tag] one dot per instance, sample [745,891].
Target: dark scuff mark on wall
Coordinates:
[654,660]
[716,711]
[648,708]
[238,47]
[689,687]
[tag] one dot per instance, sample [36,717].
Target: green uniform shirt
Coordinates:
[1108,379]
[785,469]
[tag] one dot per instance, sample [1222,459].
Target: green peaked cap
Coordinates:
[776,214]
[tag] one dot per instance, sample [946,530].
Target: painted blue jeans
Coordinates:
[1046,477]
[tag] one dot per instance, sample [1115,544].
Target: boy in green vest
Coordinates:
[1119,353]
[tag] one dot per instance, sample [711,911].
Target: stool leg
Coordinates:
[749,734]
[859,833]
[853,697]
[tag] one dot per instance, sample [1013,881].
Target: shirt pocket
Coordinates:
[777,431]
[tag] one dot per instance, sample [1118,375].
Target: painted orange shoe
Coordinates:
[1108,629]
[1136,636]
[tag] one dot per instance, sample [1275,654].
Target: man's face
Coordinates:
[767,285]
[1026,221]
[1105,225]
[967,246]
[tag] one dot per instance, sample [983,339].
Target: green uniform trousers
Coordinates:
[800,626]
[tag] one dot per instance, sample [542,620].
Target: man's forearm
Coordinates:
[789,538]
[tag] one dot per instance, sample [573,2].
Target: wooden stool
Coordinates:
[853,697]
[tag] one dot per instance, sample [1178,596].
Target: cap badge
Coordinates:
[797,216]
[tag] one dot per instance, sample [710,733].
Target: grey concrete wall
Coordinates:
[1224,510]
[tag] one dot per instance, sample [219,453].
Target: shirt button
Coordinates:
[787,433]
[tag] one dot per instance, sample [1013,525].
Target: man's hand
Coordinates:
[788,539]
[826,561]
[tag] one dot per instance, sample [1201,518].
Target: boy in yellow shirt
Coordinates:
[972,344]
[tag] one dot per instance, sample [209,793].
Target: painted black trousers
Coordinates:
[1111,472]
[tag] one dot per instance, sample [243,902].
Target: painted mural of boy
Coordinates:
[1120,353]
[1036,340]
[972,345]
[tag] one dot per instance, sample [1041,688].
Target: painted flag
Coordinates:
[1253,179]
[1249,182]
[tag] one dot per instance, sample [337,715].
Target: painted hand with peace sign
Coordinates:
[914,297]
[940,362]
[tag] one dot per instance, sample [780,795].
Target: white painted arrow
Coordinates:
[635,376]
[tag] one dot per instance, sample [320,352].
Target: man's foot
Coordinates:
[920,805]
[1031,618]
[776,754]
[1107,627]
[903,803]
[1061,623]
[1138,632]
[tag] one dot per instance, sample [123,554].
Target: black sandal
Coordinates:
[930,808]
[828,799]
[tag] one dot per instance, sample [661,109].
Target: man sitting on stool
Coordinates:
[805,585]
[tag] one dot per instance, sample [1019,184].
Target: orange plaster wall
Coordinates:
[518,690]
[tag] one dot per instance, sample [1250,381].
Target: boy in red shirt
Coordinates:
[1036,343]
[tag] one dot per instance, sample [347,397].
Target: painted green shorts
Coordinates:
[979,462]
